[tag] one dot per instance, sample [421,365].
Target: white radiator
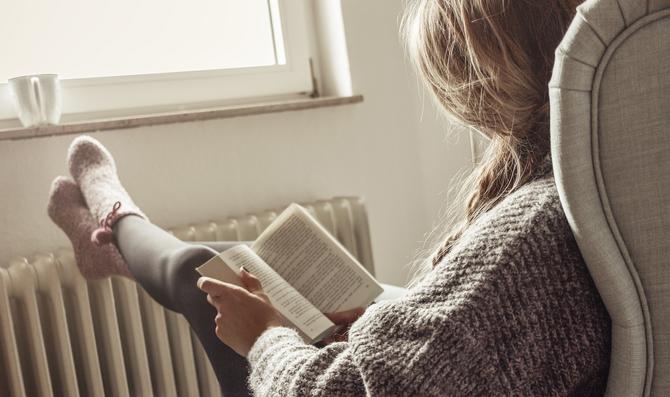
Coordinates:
[63,336]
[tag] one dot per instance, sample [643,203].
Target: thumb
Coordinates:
[250,282]
[211,286]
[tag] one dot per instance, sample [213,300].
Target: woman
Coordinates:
[508,306]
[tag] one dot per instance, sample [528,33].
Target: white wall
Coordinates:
[389,149]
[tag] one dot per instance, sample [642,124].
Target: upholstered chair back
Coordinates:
[610,128]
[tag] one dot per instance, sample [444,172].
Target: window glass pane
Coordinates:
[95,38]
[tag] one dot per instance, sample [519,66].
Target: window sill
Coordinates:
[182,116]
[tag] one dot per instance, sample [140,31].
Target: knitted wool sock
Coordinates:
[94,170]
[68,210]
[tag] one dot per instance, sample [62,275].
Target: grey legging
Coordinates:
[164,266]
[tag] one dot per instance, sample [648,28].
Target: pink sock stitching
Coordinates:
[104,234]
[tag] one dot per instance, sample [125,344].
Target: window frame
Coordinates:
[92,98]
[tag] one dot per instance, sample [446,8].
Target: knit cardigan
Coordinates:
[511,310]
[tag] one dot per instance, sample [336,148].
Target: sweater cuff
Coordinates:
[271,339]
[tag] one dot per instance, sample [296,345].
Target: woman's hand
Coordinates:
[243,314]
[345,318]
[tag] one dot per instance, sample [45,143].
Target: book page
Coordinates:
[217,269]
[303,253]
[299,312]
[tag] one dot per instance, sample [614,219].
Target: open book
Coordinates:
[304,271]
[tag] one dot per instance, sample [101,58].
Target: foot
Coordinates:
[94,170]
[68,210]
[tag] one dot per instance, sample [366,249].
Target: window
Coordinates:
[133,55]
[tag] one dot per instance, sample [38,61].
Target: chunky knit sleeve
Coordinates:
[283,365]
[511,310]
[400,350]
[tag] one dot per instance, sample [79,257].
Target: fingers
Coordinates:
[216,288]
[250,282]
[341,335]
[215,300]
[345,317]
[218,330]
[211,286]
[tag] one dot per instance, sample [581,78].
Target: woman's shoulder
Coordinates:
[531,213]
[534,202]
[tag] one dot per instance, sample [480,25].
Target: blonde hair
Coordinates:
[488,64]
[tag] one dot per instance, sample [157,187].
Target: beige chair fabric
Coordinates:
[610,121]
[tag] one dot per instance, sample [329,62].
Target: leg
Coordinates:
[161,263]
[164,266]
[220,246]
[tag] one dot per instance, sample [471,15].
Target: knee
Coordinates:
[181,274]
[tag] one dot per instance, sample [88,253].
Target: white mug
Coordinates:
[37,99]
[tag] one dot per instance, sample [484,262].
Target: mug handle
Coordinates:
[37,98]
